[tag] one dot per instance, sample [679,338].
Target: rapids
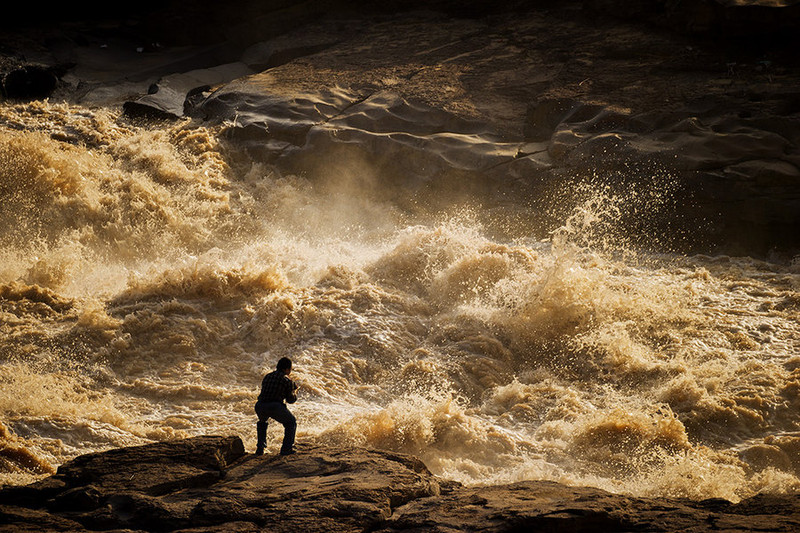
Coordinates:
[150,275]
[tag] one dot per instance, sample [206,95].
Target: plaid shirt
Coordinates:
[276,387]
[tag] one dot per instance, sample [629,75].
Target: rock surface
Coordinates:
[211,484]
[520,106]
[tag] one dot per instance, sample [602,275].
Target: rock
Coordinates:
[341,490]
[191,462]
[210,484]
[533,506]
[478,93]
[283,49]
[172,95]
[723,18]
[29,82]
[21,519]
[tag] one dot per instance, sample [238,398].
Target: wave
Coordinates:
[150,276]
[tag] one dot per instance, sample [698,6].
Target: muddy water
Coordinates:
[149,276]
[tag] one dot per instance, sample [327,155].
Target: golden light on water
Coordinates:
[150,276]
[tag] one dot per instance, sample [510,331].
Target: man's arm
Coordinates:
[291,395]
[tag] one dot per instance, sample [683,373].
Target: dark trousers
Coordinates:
[277,411]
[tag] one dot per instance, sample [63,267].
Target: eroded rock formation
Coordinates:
[518,106]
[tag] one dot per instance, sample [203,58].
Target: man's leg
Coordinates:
[261,434]
[285,417]
[261,429]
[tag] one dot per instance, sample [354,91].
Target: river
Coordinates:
[151,275]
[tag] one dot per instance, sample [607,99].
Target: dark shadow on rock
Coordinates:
[29,82]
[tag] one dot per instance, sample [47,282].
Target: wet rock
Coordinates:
[172,95]
[478,92]
[78,499]
[160,487]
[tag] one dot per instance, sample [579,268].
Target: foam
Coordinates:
[163,273]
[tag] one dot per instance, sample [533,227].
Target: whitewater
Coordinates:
[150,275]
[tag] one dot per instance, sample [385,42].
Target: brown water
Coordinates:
[149,277]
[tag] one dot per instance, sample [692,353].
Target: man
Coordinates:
[275,388]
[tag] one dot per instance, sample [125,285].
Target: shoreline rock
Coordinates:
[209,483]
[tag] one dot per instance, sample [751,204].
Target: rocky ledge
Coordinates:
[211,484]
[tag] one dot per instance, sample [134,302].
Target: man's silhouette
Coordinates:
[276,387]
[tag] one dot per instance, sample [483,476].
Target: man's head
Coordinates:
[285,365]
